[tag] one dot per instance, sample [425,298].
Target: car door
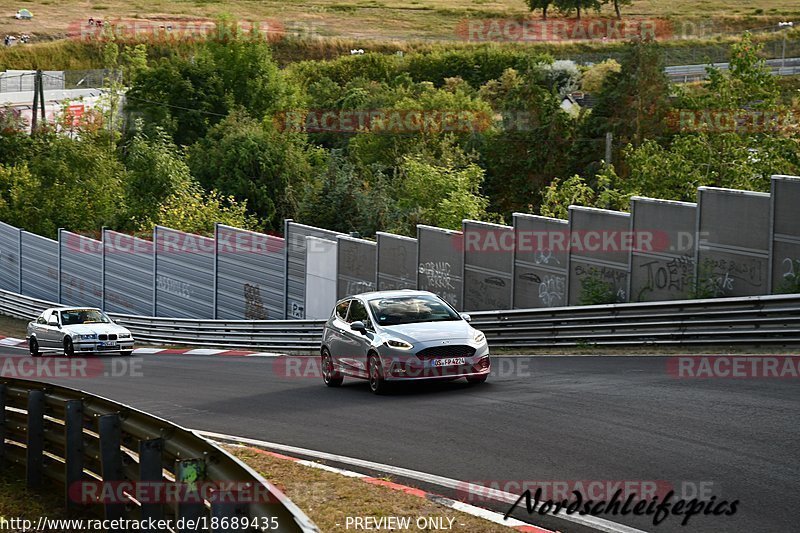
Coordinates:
[357,343]
[39,330]
[338,324]
[48,334]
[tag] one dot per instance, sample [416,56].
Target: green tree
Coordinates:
[253,161]
[632,104]
[577,6]
[748,81]
[604,194]
[346,197]
[711,159]
[439,192]
[15,144]
[526,150]
[194,211]
[593,77]
[707,152]
[533,5]
[188,96]
[617,4]
[156,172]
[70,183]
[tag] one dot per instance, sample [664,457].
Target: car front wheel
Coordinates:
[477,379]
[33,346]
[377,384]
[69,349]
[329,375]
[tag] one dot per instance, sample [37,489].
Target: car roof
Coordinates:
[374,295]
[71,309]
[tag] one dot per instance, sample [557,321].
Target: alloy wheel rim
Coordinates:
[327,367]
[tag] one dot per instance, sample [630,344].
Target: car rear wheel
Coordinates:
[329,375]
[33,346]
[377,384]
[477,379]
[69,349]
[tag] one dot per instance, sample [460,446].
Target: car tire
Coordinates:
[33,347]
[377,384]
[126,352]
[69,348]
[475,380]
[329,375]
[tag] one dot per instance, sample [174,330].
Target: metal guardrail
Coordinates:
[723,321]
[284,335]
[70,438]
[789,66]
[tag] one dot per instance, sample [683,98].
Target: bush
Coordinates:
[595,290]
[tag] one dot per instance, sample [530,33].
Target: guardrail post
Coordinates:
[150,466]
[35,444]
[2,425]
[227,504]
[188,473]
[110,431]
[73,458]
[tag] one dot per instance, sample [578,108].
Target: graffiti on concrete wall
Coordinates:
[673,276]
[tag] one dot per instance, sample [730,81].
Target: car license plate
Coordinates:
[450,361]
[107,344]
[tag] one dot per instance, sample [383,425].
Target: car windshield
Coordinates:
[411,309]
[83,316]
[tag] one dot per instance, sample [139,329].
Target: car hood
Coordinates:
[430,331]
[86,329]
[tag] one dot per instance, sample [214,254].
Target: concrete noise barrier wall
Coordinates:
[733,247]
[540,262]
[663,250]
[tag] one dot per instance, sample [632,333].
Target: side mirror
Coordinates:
[466,317]
[53,322]
[358,326]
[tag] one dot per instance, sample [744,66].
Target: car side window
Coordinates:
[358,312]
[341,310]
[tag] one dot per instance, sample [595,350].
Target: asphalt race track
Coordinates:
[543,419]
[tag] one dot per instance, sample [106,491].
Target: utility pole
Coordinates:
[41,95]
[38,100]
[35,113]
[609,140]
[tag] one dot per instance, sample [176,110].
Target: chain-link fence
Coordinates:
[59,80]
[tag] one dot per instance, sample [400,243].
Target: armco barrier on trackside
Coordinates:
[721,321]
[99,452]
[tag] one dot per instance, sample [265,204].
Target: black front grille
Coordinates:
[112,337]
[447,350]
[102,337]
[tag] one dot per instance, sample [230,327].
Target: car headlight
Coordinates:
[400,345]
[88,337]
[479,337]
[124,336]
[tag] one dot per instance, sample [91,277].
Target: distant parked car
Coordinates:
[400,336]
[75,330]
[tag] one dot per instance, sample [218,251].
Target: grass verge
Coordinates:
[18,502]
[12,327]
[329,498]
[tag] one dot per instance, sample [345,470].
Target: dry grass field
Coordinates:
[366,19]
